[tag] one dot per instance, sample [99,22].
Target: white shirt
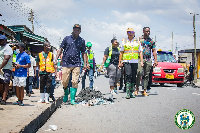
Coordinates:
[6,50]
[33,64]
[132,43]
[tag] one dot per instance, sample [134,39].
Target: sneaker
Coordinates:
[112,92]
[16,103]
[3,102]
[40,101]
[148,91]
[21,103]
[32,92]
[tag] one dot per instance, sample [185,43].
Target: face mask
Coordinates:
[17,50]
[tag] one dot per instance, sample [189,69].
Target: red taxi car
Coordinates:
[168,70]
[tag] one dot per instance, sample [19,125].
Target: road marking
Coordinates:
[198,94]
[168,88]
[194,93]
[173,89]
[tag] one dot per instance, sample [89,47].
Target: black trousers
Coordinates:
[130,72]
[45,82]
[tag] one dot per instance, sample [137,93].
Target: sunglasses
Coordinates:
[131,32]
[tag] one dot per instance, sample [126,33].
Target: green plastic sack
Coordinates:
[107,62]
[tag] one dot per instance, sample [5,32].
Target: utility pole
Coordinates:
[172,41]
[31,19]
[195,50]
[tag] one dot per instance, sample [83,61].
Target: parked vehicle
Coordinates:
[168,70]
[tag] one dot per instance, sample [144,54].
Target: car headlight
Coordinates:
[157,69]
[180,70]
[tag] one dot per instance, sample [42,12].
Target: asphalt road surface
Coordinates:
[152,114]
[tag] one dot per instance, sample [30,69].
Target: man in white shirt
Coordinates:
[6,54]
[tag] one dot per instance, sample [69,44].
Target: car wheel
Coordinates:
[162,84]
[179,84]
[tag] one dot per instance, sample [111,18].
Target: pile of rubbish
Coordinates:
[89,97]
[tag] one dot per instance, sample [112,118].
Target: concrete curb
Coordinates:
[38,122]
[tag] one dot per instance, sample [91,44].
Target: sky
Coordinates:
[102,19]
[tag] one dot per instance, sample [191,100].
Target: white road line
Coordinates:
[198,94]
[173,89]
[168,88]
[194,93]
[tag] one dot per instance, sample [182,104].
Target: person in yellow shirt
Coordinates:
[45,62]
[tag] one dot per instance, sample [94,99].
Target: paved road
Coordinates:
[152,114]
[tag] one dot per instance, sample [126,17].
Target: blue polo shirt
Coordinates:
[22,59]
[72,49]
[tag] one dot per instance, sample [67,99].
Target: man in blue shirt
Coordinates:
[71,47]
[22,63]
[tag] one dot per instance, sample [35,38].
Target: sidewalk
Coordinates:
[27,118]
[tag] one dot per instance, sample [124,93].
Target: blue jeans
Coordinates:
[53,85]
[91,75]
[29,84]
[36,80]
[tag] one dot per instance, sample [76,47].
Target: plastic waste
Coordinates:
[53,127]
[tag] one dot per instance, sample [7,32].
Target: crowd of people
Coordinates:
[20,72]
[134,58]
[128,62]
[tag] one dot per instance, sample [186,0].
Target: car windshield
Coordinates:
[166,57]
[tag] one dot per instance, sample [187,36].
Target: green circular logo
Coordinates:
[184,119]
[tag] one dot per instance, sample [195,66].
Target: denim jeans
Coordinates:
[91,75]
[36,80]
[29,84]
[53,85]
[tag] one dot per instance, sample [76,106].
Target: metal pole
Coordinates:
[32,21]
[195,52]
